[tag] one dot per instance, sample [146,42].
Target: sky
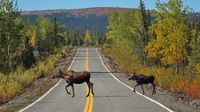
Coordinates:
[28,5]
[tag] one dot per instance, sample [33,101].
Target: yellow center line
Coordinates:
[86,103]
[89,100]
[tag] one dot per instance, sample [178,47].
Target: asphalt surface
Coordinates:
[109,95]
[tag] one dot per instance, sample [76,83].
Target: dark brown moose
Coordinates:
[142,79]
[72,77]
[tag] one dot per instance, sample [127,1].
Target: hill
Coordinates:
[92,19]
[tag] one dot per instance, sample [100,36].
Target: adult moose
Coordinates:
[142,79]
[72,77]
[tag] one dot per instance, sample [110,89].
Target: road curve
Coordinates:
[110,95]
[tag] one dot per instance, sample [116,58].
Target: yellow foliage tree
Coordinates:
[171,30]
[87,37]
[33,39]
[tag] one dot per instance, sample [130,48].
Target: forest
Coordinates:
[82,23]
[167,46]
[92,19]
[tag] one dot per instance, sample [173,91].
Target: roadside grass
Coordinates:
[16,82]
[34,93]
[166,78]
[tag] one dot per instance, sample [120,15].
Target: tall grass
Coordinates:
[16,82]
[166,78]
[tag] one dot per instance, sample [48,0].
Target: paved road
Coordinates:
[110,95]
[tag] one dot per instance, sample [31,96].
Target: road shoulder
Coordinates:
[162,96]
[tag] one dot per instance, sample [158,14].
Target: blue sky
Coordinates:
[75,4]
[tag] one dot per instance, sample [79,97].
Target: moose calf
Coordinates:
[142,79]
[72,77]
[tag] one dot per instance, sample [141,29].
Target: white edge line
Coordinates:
[152,100]
[22,110]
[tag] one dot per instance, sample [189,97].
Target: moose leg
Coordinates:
[154,88]
[135,87]
[89,86]
[72,85]
[66,88]
[142,89]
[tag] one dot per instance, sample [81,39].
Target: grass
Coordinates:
[16,82]
[32,95]
[166,78]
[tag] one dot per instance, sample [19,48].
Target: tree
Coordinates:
[87,38]
[143,28]
[11,35]
[171,30]
[194,57]
[56,43]
[45,35]
[28,56]
[33,38]
[122,30]
[74,37]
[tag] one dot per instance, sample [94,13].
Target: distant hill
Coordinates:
[91,19]
[196,15]
[99,11]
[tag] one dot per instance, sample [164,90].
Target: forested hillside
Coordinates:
[92,19]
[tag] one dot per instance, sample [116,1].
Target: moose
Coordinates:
[142,79]
[71,77]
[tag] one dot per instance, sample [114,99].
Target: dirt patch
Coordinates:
[39,87]
[175,101]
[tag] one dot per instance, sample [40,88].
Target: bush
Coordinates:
[16,82]
[166,78]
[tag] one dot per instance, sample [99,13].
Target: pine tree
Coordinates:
[56,43]
[145,23]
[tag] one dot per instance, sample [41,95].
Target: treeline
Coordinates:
[27,52]
[78,38]
[24,43]
[82,23]
[21,43]
[167,46]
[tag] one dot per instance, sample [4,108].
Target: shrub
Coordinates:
[166,78]
[16,82]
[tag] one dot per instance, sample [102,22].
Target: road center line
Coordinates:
[152,100]
[89,100]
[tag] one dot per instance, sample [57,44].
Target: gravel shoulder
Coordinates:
[176,102]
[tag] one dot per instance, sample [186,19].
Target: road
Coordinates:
[109,94]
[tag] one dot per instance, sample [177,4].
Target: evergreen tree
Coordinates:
[56,43]
[145,23]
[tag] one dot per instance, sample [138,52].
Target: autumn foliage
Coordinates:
[16,82]
[167,47]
